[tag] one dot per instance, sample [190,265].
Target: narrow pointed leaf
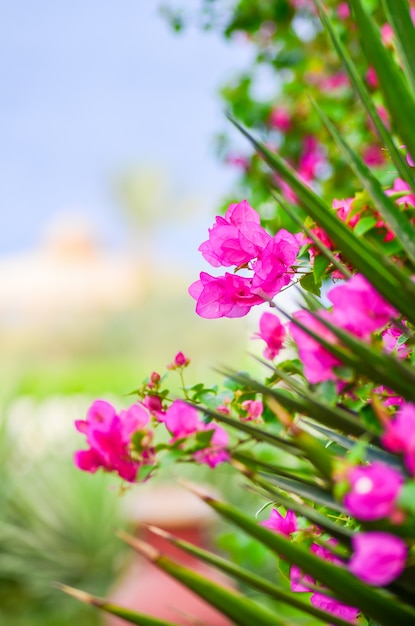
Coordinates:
[317,242]
[366,99]
[238,608]
[381,367]
[333,417]
[258,465]
[397,221]
[305,510]
[397,13]
[311,492]
[132,617]
[399,98]
[386,277]
[257,434]
[377,604]
[248,578]
[372,453]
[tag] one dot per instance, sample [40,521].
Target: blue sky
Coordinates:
[90,88]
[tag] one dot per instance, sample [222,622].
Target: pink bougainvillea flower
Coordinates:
[335,607]
[371,77]
[374,490]
[284,524]
[299,580]
[343,209]
[237,160]
[273,270]
[400,185]
[223,296]
[378,557]
[313,156]
[390,338]
[373,156]
[180,360]
[109,438]
[343,11]
[254,410]
[359,308]
[399,435]
[154,404]
[387,34]
[336,81]
[182,420]
[325,553]
[280,118]
[317,361]
[216,452]
[273,333]
[236,238]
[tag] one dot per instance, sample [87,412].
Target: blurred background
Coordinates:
[108,185]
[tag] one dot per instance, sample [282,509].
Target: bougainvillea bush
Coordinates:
[327,436]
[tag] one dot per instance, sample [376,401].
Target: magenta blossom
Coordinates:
[359,308]
[109,437]
[371,77]
[390,338]
[223,296]
[273,333]
[182,420]
[254,410]
[343,209]
[317,361]
[280,119]
[216,452]
[374,490]
[273,270]
[399,185]
[236,238]
[180,360]
[343,11]
[399,435]
[378,557]
[283,524]
[154,404]
[335,607]
[299,581]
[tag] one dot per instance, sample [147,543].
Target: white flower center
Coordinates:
[363,485]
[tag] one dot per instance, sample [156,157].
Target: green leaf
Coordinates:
[377,604]
[397,221]
[320,266]
[386,277]
[407,496]
[362,92]
[309,284]
[257,434]
[238,608]
[249,578]
[326,252]
[378,366]
[132,617]
[364,224]
[310,492]
[399,99]
[398,15]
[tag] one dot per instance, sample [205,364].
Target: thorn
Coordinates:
[139,546]
[196,490]
[83,596]
[160,532]
[240,467]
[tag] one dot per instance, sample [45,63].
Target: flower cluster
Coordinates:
[238,239]
[124,442]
